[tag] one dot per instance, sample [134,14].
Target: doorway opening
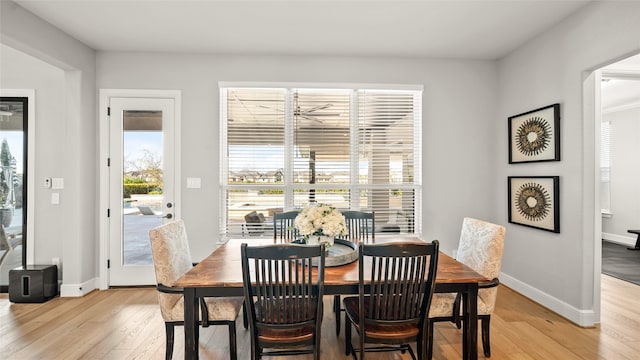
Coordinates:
[619,151]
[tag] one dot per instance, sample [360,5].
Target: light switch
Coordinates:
[57,183]
[193,183]
[55,198]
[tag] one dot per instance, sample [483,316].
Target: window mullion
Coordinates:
[224,164]
[288,149]
[354,182]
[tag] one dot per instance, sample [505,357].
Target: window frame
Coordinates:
[354,186]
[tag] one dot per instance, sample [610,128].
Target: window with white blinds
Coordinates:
[283,148]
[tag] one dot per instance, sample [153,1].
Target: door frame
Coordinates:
[103,219]
[30,171]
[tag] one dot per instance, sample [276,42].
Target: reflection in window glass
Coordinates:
[13,115]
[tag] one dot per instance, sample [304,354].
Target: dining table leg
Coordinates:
[191,325]
[470,327]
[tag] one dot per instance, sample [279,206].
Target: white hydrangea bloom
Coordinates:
[320,219]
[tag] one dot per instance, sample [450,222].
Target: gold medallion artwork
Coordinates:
[533,136]
[533,201]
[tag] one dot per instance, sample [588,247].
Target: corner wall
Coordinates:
[558,270]
[65,145]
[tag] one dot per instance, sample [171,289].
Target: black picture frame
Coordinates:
[534,201]
[534,136]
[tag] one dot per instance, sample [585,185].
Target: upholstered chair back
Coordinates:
[481,247]
[171,259]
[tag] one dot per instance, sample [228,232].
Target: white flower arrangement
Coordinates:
[319,220]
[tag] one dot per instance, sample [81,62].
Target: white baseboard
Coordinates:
[620,239]
[585,318]
[78,290]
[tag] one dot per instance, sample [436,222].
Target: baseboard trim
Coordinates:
[584,318]
[78,290]
[620,239]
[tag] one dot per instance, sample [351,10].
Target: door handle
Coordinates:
[168,216]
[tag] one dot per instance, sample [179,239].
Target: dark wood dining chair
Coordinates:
[283,226]
[393,298]
[360,228]
[481,247]
[171,259]
[284,296]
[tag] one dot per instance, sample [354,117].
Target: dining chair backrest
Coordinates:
[393,297]
[402,281]
[283,293]
[360,226]
[283,226]
[171,259]
[481,248]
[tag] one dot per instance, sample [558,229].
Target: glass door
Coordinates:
[141,184]
[13,160]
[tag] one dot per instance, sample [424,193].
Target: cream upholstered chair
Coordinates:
[481,247]
[171,259]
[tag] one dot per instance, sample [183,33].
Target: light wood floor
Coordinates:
[126,324]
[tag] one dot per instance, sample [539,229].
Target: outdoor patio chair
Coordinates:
[146,210]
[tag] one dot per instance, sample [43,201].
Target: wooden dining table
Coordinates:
[220,275]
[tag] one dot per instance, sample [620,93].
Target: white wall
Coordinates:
[21,71]
[459,101]
[558,269]
[466,106]
[66,141]
[625,175]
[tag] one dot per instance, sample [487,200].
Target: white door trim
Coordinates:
[592,209]
[30,94]
[105,96]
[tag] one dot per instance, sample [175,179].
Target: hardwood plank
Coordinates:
[125,323]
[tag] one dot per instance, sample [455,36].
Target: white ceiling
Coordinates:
[468,29]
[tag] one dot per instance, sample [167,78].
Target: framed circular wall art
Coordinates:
[535,135]
[533,201]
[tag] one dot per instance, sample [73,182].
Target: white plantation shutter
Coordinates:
[389,143]
[283,148]
[321,151]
